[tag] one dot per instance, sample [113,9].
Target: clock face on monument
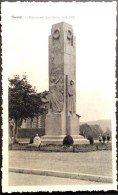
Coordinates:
[56,33]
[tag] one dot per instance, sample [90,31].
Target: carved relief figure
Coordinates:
[56,90]
[56,94]
[51,60]
[71,93]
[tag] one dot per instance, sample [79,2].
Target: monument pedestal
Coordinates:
[58,140]
[79,140]
[73,128]
[52,140]
[56,130]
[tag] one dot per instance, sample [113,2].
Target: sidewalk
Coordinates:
[16,179]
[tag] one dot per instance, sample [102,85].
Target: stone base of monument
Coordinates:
[58,140]
[79,140]
[53,140]
[56,130]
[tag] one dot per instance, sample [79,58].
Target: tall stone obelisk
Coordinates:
[61,119]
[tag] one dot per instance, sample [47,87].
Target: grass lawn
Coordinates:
[96,163]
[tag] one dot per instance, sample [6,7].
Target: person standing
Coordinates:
[100,138]
[103,138]
[108,138]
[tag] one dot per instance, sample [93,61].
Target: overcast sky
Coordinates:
[25,48]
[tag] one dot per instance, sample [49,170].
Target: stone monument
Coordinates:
[61,119]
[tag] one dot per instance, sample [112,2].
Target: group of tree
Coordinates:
[24,101]
[90,130]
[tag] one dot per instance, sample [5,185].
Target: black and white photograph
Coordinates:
[59,96]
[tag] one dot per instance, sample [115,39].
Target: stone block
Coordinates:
[52,140]
[55,124]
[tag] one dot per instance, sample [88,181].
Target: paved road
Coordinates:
[19,179]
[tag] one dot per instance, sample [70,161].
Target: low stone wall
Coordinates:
[76,148]
[57,148]
[84,148]
[94,147]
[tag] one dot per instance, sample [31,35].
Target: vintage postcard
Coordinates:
[59,124]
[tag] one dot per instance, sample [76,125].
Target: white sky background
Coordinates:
[25,49]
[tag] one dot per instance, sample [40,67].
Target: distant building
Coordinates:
[36,122]
[39,120]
